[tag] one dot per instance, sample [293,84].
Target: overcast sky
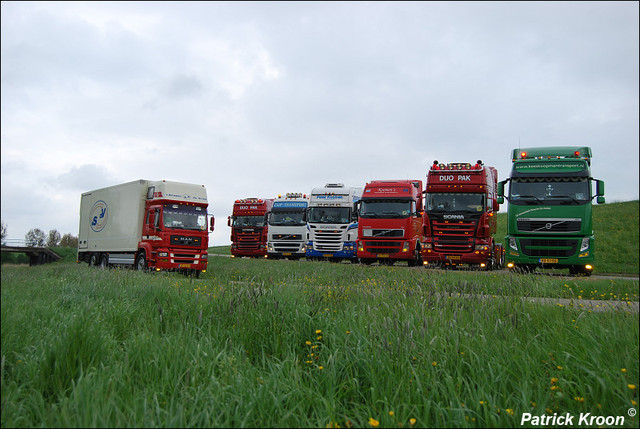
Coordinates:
[257,99]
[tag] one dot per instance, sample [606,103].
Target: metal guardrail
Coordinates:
[19,242]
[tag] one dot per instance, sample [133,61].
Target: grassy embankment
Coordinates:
[299,344]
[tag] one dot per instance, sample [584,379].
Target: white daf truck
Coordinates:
[333,222]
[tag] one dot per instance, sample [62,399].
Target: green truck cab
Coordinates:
[549,216]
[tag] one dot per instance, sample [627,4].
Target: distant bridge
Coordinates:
[38,255]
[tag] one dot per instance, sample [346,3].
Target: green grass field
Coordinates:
[262,343]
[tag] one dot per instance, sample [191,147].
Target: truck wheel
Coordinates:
[141,262]
[104,261]
[491,261]
[417,259]
[93,260]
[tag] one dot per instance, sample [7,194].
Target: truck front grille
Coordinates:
[288,237]
[549,225]
[453,236]
[327,240]
[179,240]
[383,246]
[248,240]
[554,248]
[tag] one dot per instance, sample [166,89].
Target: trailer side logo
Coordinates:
[98,216]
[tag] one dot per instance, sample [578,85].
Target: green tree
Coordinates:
[35,237]
[53,240]
[69,240]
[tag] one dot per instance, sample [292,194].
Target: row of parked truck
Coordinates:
[448,222]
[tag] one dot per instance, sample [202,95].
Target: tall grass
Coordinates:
[258,343]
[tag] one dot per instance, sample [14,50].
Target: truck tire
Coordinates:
[141,262]
[417,259]
[93,260]
[104,261]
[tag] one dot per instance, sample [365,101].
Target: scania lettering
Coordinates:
[549,216]
[156,225]
[461,203]
[249,227]
[390,222]
[287,222]
[333,223]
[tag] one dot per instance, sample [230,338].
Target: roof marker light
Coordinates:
[523,154]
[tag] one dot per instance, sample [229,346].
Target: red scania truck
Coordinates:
[460,216]
[249,227]
[156,225]
[390,222]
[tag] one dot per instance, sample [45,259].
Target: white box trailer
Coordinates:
[152,224]
[111,218]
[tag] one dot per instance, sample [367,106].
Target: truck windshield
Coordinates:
[385,209]
[248,221]
[455,202]
[182,216]
[329,214]
[549,191]
[287,218]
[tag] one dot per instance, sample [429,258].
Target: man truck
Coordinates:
[333,223]
[460,217]
[287,222]
[155,225]
[549,215]
[249,227]
[390,222]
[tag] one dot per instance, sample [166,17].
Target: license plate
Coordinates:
[383,255]
[548,261]
[286,254]
[456,257]
[327,255]
[185,265]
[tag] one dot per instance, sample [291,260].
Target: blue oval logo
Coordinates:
[98,216]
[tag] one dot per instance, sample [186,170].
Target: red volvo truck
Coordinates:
[249,227]
[155,225]
[390,222]
[460,216]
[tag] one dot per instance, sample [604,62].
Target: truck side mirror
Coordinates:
[229,221]
[500,199]
[212,222]
[600,191]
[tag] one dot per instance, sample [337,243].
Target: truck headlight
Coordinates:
[513,244]
[406,246]
[585,244]
[163,254]
[481,247]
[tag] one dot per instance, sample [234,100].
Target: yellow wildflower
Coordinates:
[373,422]
[412,422]
[631,386]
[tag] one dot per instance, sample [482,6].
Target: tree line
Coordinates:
[38,238]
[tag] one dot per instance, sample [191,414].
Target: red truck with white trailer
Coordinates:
[390,222]
[460,216]
[249,227]
[155,225]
